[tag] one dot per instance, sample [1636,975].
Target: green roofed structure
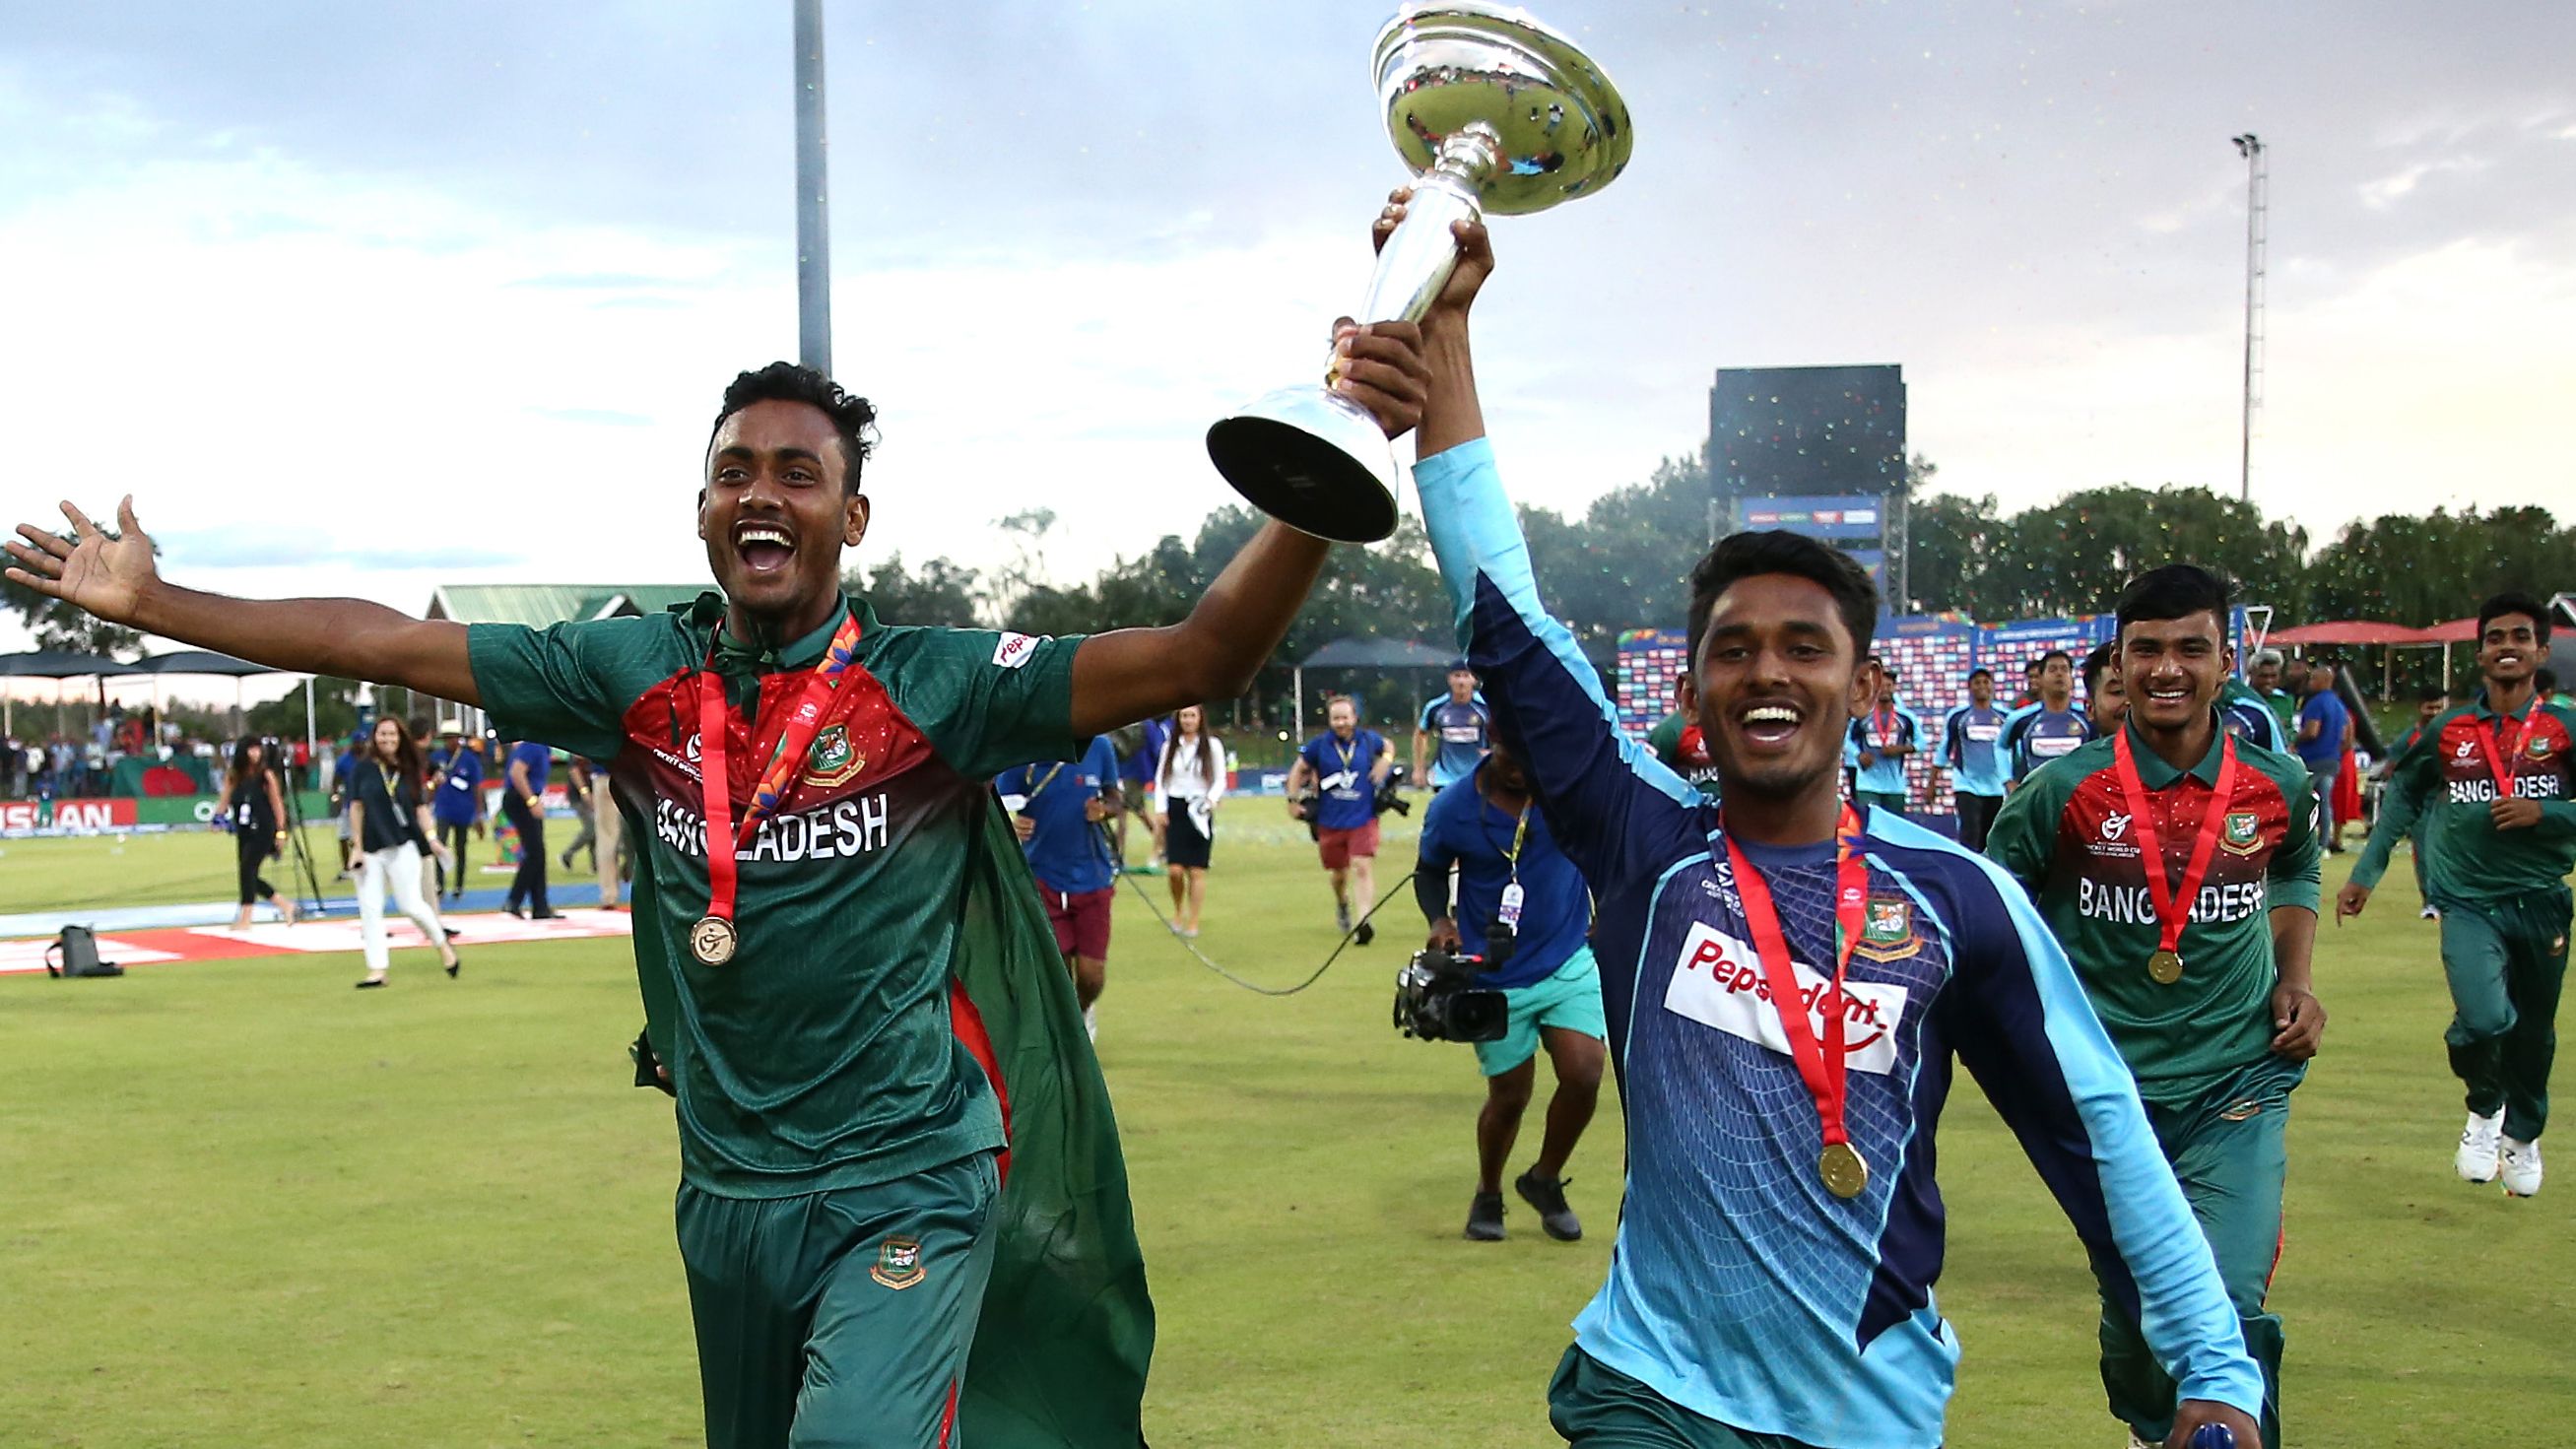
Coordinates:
[538,605]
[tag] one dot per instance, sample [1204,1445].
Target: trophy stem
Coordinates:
[1416,261]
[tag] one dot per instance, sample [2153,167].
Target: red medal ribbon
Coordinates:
[2173,906]
[724,837]
[1819,1066]
[2504,752]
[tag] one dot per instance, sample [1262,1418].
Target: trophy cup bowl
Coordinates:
[1496,114]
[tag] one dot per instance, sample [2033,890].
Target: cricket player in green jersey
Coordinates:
[2498,778]
[2178,866]
[902,1209]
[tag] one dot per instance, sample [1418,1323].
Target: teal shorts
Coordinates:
[1570,999]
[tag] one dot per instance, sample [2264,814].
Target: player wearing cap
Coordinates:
[1453,732]
[1787,984]
[845,970]
[2178,865]
[2497,776]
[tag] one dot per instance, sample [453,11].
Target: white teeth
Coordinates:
[762,533]
[1770,714]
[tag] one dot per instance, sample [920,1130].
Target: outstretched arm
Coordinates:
[1130,674]
[116,580]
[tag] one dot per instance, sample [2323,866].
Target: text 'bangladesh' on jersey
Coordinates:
[822,1056]
[2452,772]
[2069,837]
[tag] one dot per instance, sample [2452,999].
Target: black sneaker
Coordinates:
[1367,933]
[1548,1196]
[371,983]
[1485,1218]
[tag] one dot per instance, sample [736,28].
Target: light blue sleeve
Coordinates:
[1614,809]
[2029,1033]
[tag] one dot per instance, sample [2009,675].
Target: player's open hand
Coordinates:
[2299,1022]
[1381,367]
[2350,900]
[2514,814]
[2192,1414]
[105,576]
[1475,253]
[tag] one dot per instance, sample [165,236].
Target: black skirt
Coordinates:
[1183,842]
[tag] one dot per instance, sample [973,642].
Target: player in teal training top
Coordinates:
[893,1142]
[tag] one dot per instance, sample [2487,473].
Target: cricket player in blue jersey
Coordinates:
[1453,732]
[2049,726]
[1976,767]
[1771,1284]
[1883,736]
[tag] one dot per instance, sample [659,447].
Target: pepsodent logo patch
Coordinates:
[1719,983]
[1015,650]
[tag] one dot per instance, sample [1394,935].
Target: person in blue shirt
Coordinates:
[455,800]
[1771,1285]
[523,805]
[2048,727]
[1968,751]
[342,775]
[1523,907]
[1137,771]
[2323,724]
[1458,722]
[1346,764]
[1058,809]
[1882,740]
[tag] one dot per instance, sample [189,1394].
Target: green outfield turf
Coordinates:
[244,1205]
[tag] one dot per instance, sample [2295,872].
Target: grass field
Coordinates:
[241,1204]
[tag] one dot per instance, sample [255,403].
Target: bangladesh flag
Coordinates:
[1060,1355]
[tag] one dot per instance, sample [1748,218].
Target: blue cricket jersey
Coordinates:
[1896,725]
[2035,734]
[1067,853]
[1464,828]
[1462,730]
[1740,1288]
[1969,740]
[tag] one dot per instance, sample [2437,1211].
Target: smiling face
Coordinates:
[2509,649]
[2265,676]
[2171,668]
[1981,690]
[387,739]
[1776,684]
[1189,719]
[777,511]
[1343,717]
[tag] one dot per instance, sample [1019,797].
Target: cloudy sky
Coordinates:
[361,298]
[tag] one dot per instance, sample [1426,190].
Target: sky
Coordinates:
[365,299]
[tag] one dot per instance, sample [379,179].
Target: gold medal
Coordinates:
[712,940]
[2165,967]
[1844,1172]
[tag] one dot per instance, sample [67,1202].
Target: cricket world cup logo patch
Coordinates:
[2243,834]
[898,1264]
[1887,931]
[833,761]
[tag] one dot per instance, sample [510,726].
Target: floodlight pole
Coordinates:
[2258,197]
[813,230]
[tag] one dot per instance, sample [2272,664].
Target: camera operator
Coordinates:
[1522,907]
[1347,766]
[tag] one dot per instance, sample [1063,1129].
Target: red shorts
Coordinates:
[1081,920]
[1338,846]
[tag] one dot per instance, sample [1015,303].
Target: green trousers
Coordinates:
[839,1320]
[1594,1406]
[2229,1150]
[1891,801]
[2506,960]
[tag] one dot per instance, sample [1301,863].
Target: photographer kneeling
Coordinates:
[1524,908]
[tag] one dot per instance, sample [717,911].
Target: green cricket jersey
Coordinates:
[823,1055]
[2449,772]
[1676,742]
[2067,836]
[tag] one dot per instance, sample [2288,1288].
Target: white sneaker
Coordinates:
[1091,1020]
[2137,1443]
[2429,913]
[2476,1159]
[2521,1168]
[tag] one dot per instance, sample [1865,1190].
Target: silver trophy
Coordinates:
[1495,113]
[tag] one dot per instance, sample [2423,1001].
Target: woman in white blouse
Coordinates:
[1191,779]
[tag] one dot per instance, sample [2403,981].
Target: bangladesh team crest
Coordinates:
[1887,930]
[834,761]
[2539,747]
[2243,833]
[898,1264]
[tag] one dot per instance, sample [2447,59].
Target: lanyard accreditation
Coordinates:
[714,938]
